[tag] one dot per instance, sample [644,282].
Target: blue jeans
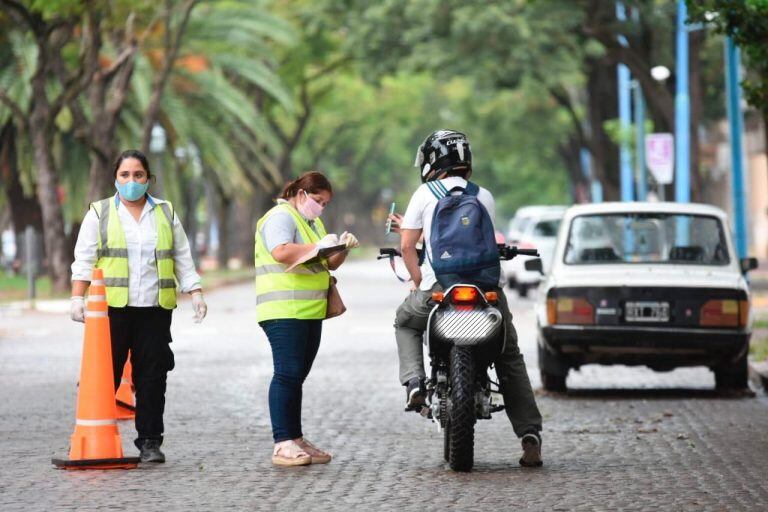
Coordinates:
[294,345]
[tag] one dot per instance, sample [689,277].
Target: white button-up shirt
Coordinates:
[141,239]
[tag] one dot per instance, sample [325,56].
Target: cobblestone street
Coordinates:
[622,439]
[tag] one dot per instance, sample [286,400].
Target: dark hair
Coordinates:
[132,153]
[311,182]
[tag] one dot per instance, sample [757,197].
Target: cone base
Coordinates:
[121,463]
[125,411]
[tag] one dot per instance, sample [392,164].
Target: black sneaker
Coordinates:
[150,450]
[531,450]
[415,395]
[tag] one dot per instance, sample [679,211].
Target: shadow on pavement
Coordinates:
[646,393]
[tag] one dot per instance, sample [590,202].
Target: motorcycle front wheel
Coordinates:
[461,413]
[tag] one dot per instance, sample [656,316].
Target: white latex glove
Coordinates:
[77,308]
[328,241]
[349,239]
[198,304]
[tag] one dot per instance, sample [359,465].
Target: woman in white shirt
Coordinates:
[141,246]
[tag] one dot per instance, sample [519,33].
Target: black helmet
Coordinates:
[443,151]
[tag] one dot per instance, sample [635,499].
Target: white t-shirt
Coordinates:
[419,215]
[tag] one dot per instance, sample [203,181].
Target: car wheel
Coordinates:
[733,376]
[553,371]
[512,283]
[522,290]
[551,382]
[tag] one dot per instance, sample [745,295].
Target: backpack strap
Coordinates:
[438,189]
[472,189]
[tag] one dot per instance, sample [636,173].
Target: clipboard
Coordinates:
[316,255]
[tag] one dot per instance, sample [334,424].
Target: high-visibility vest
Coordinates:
[301,293]
[112,253]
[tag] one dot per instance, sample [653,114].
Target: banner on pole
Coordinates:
[660,156]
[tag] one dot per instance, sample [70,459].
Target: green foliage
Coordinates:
[746,21]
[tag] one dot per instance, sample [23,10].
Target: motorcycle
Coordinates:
[465,333]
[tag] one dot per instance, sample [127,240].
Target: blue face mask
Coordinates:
[131,191]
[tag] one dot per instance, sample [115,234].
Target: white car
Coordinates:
[655,284]
[533,227]
[523,217]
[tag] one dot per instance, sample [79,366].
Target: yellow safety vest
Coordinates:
[112,253]
[301,293]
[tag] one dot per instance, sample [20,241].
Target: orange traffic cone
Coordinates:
[96,441]
[126,408]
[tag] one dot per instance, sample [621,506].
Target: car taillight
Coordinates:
[464,294]
[569,310]
[743,313]
[724,313]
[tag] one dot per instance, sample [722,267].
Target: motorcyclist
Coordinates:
[445,155]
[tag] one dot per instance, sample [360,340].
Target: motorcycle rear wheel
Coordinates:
[461,414]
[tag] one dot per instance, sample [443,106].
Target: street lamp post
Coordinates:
[682,110]
[640,170]
[736,126]
[625,108]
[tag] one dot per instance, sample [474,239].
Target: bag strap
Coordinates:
[437,189]
[440,191]
[472,189]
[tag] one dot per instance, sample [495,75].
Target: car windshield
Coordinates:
[646,238]
[546,228]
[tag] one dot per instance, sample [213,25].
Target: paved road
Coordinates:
[624,439]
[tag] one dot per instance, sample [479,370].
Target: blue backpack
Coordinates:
[462,240]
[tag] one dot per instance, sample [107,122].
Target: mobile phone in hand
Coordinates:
[389,220]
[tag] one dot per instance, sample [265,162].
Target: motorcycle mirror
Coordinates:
[535,265]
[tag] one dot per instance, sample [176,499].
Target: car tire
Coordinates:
[522,290]
[734,376]
[512,283]
[553,371]
[551,382]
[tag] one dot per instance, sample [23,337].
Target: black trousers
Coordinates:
[146,333]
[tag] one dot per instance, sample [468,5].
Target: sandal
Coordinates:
[317,455]
[289,453]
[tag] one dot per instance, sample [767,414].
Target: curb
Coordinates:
[758,374]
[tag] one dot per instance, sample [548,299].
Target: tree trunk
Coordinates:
[25,210]
[602,100]
[48,194]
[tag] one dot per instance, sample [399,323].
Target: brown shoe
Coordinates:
[318,456]
[289,453]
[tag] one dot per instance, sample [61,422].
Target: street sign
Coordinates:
[660,156]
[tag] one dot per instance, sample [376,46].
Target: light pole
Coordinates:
[682,110]
[640,172]
[625,157]
[660,74]
[736,126]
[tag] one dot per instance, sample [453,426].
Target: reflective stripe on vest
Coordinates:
[112,253]
[301,293]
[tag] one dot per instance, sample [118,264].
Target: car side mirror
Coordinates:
[748,264]
[534,265]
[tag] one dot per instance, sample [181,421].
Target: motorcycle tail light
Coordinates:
[464,294]
[720,313]
[438,296]
[570,310]
[492,297]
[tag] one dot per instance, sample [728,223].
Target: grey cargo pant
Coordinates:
[410,324]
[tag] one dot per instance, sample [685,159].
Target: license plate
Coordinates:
[646,311]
